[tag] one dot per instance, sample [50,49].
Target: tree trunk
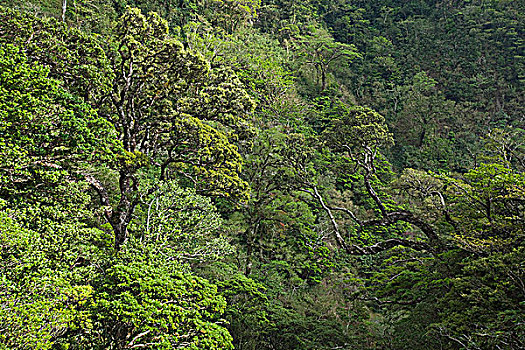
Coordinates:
[421,138]
[121,216]
[323,79]
[250,242]
[64,8]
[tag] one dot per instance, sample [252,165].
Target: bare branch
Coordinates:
[349,213]
[383,245]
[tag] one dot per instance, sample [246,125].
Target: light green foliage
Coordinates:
[206,157]
[180,223]
[487,203]
[181,109]
[172,112]
[72,56]
[142,299]
[101,298]
[224,15]
[359,132]
[43,128]
[57,134]
[39,304]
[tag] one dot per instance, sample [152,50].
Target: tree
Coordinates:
[182,224]
[486,204]
[145,299]
[356,135]
[73,57]
[52,141]
[181,120]
[505,146]
[172,113]
[472,288]
[39,304]
[62,287]
[320,50]
[45,132]
[275,219]
[230,14]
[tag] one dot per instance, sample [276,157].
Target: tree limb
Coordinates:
[102,192]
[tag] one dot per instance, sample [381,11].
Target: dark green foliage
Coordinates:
[247,305]
[484,307]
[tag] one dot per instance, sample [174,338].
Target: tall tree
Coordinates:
[172,113]
[320,50]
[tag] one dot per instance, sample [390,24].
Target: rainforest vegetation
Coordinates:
[262,174]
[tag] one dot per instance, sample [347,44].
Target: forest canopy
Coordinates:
[262,174]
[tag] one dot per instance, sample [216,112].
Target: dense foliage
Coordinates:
[262,174]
